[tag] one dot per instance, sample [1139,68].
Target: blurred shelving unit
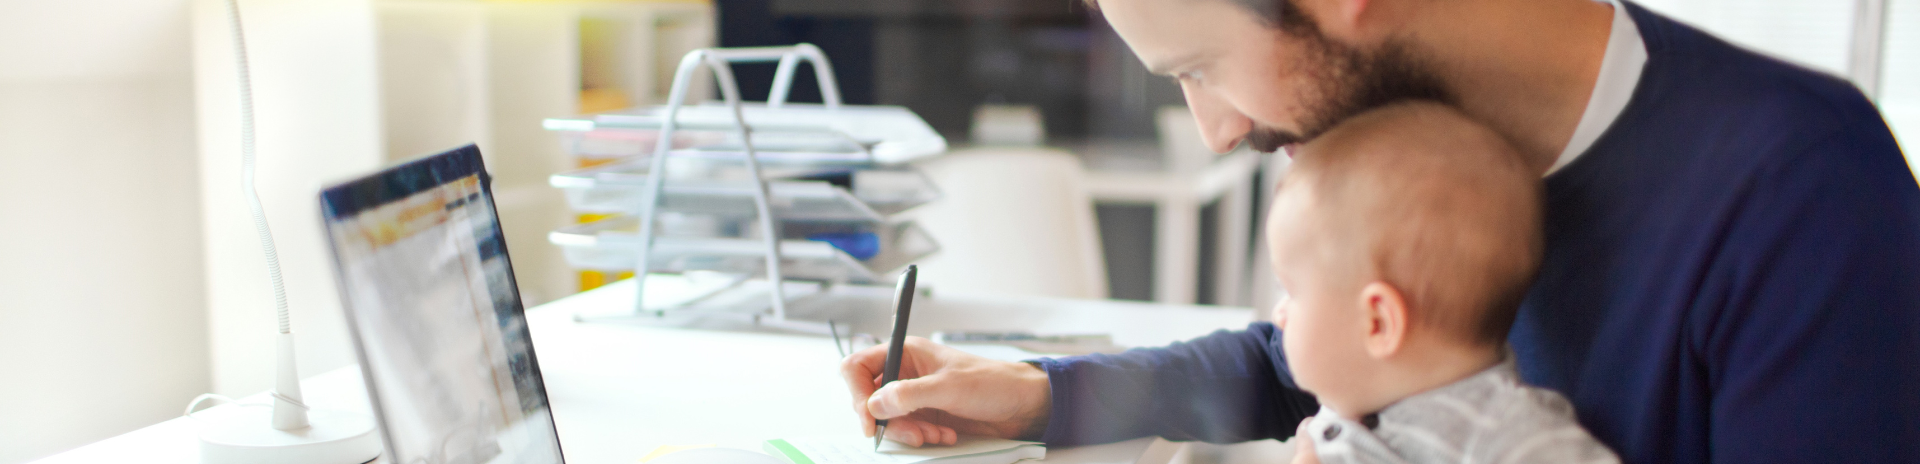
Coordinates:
[489,71]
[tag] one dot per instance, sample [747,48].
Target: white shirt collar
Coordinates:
[1619,74]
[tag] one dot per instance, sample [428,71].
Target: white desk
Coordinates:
[619,390]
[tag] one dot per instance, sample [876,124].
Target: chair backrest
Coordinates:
[1013,220]
[1266,288]
[1180,139]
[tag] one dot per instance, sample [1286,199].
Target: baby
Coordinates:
[1405,239]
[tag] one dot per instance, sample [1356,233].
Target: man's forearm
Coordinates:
[1225,387]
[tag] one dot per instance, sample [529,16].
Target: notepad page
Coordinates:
[969,450]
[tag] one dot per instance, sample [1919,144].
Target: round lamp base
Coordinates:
[235,435]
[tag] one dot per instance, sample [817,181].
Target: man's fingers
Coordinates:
[948,436]
[916,433]
[906,431]
[862,372]
[859,371]
[903,397]
[929,434]
[867,428]
[1303,445]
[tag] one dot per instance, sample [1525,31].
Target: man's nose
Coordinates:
[1221,126]
[1222,136]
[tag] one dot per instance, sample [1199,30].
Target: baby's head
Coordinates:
[1405,239]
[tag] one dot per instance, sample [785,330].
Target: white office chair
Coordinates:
[1013,220]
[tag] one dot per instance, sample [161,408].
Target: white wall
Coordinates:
[533,67]
[1813,33]
[454,73]
[316,104]
[1819,34]
[1900,75]
[102,309]
[343,87]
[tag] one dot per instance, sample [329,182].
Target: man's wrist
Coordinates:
[1036,380]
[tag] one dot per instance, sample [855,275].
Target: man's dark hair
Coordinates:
[1354,80]
[1280,14]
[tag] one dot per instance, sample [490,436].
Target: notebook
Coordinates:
[857,450]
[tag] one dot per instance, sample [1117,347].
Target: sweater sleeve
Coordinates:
[1814,353]
[1229,386]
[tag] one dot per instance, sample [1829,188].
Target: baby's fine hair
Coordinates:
[1434,204]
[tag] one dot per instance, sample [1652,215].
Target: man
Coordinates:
[1732,271]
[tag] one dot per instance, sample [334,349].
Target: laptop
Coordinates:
[436,317]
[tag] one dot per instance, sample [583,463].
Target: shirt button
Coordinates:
[1333,431]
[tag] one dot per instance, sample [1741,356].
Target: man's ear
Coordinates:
[1386,313]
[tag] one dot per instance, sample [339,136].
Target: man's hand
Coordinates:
[1303,444]
[944,392]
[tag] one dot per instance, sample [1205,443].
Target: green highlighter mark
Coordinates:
[782,448]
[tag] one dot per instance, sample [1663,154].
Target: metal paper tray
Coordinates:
[724,188]
[894,134]
[613,244]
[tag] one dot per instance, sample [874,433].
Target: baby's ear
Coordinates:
[1386,313]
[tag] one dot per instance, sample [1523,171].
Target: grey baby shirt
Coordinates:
[1488,418]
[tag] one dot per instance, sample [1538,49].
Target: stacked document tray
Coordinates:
[839,193]
[835,179]
[852,198]
[790,133]
[705,219]
[613,244]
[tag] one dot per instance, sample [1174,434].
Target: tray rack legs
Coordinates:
[719,61]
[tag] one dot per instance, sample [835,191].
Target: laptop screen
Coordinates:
[438,323]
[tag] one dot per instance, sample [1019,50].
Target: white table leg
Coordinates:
[1231,254]
[1176,247]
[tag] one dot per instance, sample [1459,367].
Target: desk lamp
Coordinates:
[289,433]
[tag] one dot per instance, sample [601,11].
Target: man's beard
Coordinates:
[1350,82]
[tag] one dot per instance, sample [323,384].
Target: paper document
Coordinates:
[858,450]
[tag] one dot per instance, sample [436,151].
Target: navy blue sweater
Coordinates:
[1732,275]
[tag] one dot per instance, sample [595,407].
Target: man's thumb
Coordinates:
[904,396]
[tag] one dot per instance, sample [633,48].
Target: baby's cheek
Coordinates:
[1300,361]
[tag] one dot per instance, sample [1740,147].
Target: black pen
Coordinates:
[902,301]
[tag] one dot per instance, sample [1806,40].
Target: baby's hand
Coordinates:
[1303,445]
